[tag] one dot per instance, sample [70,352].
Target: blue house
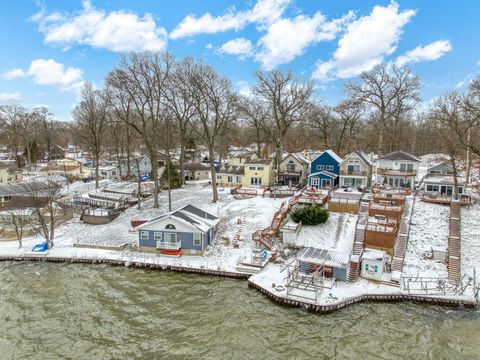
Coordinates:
[186,230]
[324,170]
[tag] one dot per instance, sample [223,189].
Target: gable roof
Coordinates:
[399,155]
[332,155]
[299,157]
[190,215]
[362,155]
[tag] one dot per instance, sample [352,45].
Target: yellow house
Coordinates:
[230,176]
[240,157]
[9,173]
[258,173]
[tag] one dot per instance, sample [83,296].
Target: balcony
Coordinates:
[353,173]
[397,172]
[167,245]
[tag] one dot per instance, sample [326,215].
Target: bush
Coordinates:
[310,215]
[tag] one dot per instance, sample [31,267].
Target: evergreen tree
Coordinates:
[175,179]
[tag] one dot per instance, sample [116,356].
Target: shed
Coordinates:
[334,262]
[373,264]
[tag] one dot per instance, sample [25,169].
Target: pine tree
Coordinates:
[175,180]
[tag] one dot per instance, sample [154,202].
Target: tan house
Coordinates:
[9,173]
[356,170]
[230,176]
[195,171]
[258,173]
[69,171]
[240,157]
[292,170]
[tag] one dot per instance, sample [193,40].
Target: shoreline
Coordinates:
[277,298]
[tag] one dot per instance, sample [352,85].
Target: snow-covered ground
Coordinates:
[470,246]
[428,228]
[337,233]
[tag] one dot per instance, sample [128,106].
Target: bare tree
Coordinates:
[91,117]
[215,105]
[13,117]
[143,76]
[287,99]
[349,116]
[322,120]
[389,94]
[256,114]
[17,221]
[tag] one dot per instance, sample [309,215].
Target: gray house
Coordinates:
[186,230]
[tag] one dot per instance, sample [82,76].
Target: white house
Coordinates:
[439,180]
[397,169]
[356,170]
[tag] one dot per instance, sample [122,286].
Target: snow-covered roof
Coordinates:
[331,153]
[399,155]
[373,254]
[298,156]
[362,155]
[324,257]
[190,215]
[442,179]
[324,172]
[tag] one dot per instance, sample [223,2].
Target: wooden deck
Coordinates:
[454,264]
[446,200]
[402,238]
[358,244]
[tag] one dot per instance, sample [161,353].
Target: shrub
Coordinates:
[310,215]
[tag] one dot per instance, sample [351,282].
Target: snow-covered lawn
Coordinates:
[337,233]
[428,228]
[470,246]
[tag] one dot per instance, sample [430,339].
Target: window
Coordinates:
[315,181]
[410,167]
[170,238]
[143,235]
[157,236]
[197,239]
[320,167]
[114,173]
[239,179]
[260,168]
[256,181]
[230,179]
[330,167]
[433,188]
[251,168]
[291,166]
[219,177]
[170,227]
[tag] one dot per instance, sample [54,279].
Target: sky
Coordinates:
[50,48]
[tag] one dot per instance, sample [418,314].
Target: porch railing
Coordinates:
[167,245]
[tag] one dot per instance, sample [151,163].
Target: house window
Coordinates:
[291,166]
[433,188]
[170,227]
[143,235]
[239,179]
[114,173]
[260,168]
[197,239]
[315,181]
[251,168]
[157,236]
[230,179]
[219,177]
[320,167]
[256,181]
[329,167]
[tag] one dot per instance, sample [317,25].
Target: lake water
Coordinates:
[55,311]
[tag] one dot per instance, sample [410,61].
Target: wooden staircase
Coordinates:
[454,265]
[358,244]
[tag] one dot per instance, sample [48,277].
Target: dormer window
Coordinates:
[170,227]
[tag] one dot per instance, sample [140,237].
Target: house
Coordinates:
[373,264]
[195,171]
[292,170]
[325,170]
[230,175]
[397,169]
[10,173]
[439,180]
[186,230]
[106,172]
[356,170]
[332,263]
[258,173]
[240,157]
[69,171]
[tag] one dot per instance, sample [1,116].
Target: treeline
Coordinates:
[151,101]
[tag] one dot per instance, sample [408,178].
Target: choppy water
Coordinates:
[51,311]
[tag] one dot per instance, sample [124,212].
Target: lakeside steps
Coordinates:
[320,308]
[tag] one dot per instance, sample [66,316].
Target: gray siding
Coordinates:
[186,238]
[340,273]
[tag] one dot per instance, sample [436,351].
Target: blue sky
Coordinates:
[49,48]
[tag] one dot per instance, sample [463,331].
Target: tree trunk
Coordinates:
[129,170]
[154,161]
[211,154]
[96,170]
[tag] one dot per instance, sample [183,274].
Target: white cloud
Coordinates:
[244,88]
[5,96]
[432,51]
[365,43]
[264,12]
[240,47]
[50,72]
[115,31]
[14,74]
[288,38]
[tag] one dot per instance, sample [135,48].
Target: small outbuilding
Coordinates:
[373,264]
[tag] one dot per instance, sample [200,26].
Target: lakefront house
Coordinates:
[186,230]
[292,170]
[356,170]
[398,169]
[325,170]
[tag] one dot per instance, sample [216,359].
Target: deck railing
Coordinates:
[167,245]
[353,172]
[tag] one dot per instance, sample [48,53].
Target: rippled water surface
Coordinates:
[51,311]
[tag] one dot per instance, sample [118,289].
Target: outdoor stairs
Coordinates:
[454,238]
[358,244]
[402,239]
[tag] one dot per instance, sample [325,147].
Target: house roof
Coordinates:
[331,153]
[25,202]
[399,155]
[362,155]
[324,172]
[234,170]
[60,168]
[443,180]
[324,257]
[259,161]
[298,156]
[189,214]
[193,166]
